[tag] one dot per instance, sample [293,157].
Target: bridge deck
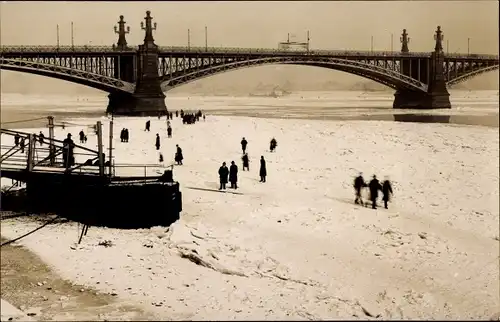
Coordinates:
[215,51]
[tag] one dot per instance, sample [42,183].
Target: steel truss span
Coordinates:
[72,69]
[456,72]
[387,72]
[466,76]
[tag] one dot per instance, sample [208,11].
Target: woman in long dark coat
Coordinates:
[262,171]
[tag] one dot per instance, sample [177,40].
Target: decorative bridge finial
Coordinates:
[438,37]
[148,28]
[120,30]
[404,42]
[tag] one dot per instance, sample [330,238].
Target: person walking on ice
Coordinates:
[273,145]
[244,145]
[178,155]
[233,175]
[223,173]
[359,183]
[246,162]
[386,191]
[263,170]
[374,186]
[157,143]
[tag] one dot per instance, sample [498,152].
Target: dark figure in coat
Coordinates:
[387,191]
[203,117]
[84,139]
[178,155]
[223,173]
[169,132]
[82,136]
[122,135]
[359,183]
[16,139]
[171,115]
[246,162]
[41,138]
[176,113]
[161,157]
[68,146]
[273,145]
[125,135]
[182,113]
[244,145]
[22,145]
[148,126]
[374,186]
[262,171]
[233,175]
[157,143]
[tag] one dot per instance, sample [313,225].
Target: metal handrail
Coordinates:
[229,50]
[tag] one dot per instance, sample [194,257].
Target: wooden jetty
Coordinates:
[82,186]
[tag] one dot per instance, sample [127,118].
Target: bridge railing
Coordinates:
[230,50]
[64,49]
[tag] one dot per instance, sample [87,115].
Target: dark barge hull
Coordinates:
[97,201]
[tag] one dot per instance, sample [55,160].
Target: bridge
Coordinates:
[137,77]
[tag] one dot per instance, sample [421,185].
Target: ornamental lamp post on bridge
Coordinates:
[121,31]
[438,37]
[405,40]
[148,38]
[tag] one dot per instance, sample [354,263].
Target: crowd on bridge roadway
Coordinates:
[225,174]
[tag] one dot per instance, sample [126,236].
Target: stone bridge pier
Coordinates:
[148,98]
[437,95]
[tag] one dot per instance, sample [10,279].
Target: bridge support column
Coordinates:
[409,99]
[148,98]
[434,99]
[437,95]
[138,104]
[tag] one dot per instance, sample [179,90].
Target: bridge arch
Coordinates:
[103,83]
[387,77]
[467,76]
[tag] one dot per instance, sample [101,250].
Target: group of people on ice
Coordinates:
[374,186]
[231,174]
[191,118]
[124,135]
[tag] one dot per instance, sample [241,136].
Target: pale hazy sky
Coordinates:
[332,25]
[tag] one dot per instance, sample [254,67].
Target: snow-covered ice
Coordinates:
[296,247]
